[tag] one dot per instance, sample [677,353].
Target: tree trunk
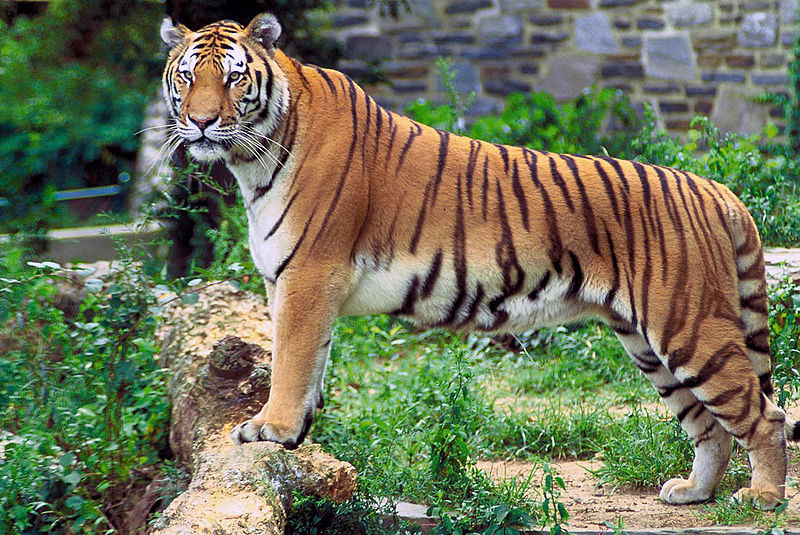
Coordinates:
[216,383]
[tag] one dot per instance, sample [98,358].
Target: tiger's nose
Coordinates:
[202,122]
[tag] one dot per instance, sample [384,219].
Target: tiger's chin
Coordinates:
[206,151]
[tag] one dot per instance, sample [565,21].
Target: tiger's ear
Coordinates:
[172,35]
[265,29]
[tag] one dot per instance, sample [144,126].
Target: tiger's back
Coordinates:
[356,210]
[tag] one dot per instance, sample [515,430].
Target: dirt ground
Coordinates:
[590,506]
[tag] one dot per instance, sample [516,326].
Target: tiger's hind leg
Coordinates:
[710,361]
[712,443]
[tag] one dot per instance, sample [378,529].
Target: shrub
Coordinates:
[84,398]
[73,86]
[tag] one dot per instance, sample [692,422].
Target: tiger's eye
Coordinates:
[232,77]
[187,75]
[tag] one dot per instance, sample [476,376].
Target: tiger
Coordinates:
[356,210]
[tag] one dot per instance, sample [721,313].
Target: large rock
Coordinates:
[593,34]
[368,47]
[689,13]
[669,57]
[569,74]
[735,111]
[759,30]
[789,11]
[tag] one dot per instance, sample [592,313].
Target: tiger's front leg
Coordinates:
[304,312]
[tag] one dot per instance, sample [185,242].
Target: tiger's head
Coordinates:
[223,85]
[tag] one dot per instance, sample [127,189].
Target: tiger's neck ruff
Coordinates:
[356,210]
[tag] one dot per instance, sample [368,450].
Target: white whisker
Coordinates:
[167,126]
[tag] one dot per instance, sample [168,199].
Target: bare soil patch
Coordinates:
[591,505]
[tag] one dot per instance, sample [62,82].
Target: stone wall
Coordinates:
[684,57]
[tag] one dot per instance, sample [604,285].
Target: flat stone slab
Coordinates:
[781,262]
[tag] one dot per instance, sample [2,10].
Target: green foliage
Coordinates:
[74,83]
[598,121]
[784,327]
[763,183]
[84,398]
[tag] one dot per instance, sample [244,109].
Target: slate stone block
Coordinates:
[669,57]
[593,34]
[496,29]
[759,30]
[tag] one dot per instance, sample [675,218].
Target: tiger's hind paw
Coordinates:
[679,491]
[764,499]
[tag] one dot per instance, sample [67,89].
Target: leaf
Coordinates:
[194,282]
[190,298]
[85,411]
[37,265]
[52,265]
[20,513]
[67,459]
[73,478]
[74,502]
[235,284]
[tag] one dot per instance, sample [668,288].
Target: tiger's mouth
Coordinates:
[206,150]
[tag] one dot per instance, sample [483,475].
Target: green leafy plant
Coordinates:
[74,83]
[83,397]
[784,312]
[555,513]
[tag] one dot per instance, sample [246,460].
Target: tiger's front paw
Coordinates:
[680,491]
[255,430]
[764,499]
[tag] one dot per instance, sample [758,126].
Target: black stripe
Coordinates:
[420,219]
[327,79]
[411,135]
[612,293]
[609,189]
[485,192]
[758,340]
[280,219]
[756,303]
[288,259]
[556,249]
[577,277]
[459,258]
[472,309]
[520,195]
[432,275]
[474,149]
[540,286]
[504,155]
[444,140]
[723,398]
[588,212]
[559,181]
[407,308]
[648,270]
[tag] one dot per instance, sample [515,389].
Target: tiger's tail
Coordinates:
[752,289]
